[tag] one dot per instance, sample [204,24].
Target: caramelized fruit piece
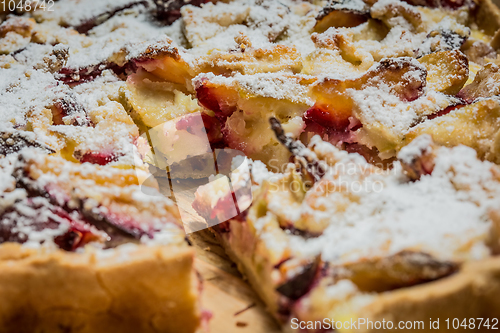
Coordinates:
[15,140]
[473,125]
[159,57]
[401,270]
[169,10]
[392,13]
[334,105]
[219,99]
[343,13]
[447,71]
[485,84]
[87,25]
[68,106]
[451,4]
[422,161]
[301,282]
[477,51]
[43,215]
[169,67]
[443,40]
[243,105]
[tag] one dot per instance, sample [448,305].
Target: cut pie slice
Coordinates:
[84,249]
[335,237]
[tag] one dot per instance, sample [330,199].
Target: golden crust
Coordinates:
[139,289]
[467,294]
[473,125]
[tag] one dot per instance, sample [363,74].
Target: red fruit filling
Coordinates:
[100,158]
[445,111]
[69,106]
[451,4]
[46,216]
[169,10]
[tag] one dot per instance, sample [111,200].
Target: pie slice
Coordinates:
[336,237]
[84,249]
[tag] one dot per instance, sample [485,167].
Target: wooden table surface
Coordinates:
[234,305]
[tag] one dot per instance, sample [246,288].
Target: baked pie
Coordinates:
[372,136]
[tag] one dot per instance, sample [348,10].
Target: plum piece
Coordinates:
[119,227]
[343,13]
[445,111]
[419,161]
[14,140]
[485,84]
[80,75]
[74,238]
[301,282]
[87,25]
[38,214]
[404,77]
[100,158]
[450,4]
[69,106]
[218,99]
[443,39]
[151,56]
[404,269]
[169,11]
